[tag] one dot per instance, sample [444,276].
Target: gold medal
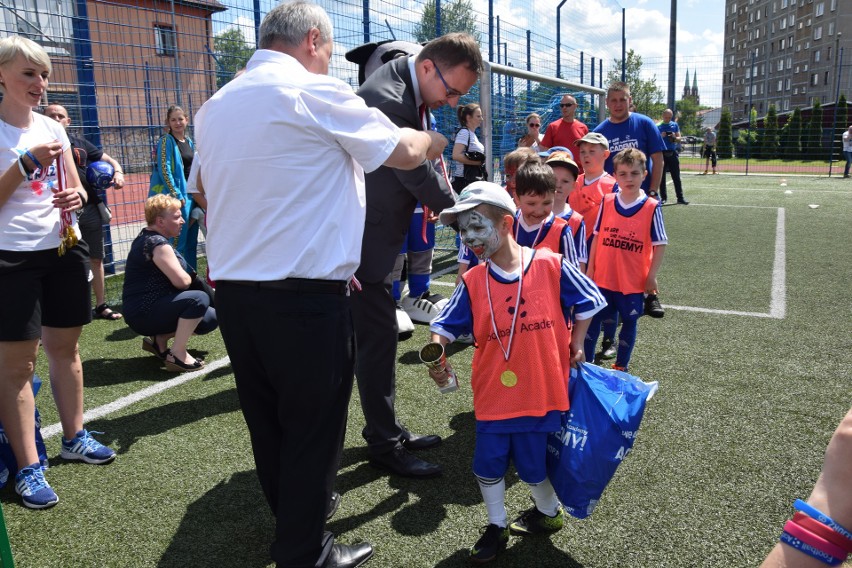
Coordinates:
[508,378]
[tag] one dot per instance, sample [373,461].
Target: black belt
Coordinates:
[298,285]
[668,152]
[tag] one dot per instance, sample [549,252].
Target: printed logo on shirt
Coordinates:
[616,145]
[626,241]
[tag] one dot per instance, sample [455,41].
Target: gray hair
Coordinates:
[13,45]
[290,22]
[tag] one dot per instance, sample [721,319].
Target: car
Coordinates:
[691,140]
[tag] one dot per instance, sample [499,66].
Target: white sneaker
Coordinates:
[466,338]
[403,322]
[425,308]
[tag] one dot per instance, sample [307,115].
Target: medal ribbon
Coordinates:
[508,349]
[67,237]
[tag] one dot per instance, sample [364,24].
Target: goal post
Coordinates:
[513,104]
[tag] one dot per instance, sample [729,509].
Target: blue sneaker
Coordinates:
[84,447]
[33,488]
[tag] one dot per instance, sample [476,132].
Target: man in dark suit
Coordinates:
[404,89]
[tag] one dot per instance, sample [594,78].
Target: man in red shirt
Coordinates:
[566,130]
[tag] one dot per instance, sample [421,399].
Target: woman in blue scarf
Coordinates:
[171,171]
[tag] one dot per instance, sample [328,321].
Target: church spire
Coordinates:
[686,85]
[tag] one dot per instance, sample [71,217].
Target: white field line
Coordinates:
[95,413]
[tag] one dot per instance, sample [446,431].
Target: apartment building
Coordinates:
[787,53]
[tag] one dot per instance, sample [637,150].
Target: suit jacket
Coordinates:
[393,194]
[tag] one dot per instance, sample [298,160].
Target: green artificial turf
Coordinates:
[737,431]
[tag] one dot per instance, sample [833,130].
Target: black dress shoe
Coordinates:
[402,462]
[349,555]
[418,442]
[682,202]
[333,504]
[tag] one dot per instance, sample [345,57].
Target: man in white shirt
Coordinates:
[283,151]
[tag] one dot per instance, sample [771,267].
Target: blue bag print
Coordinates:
[8,465]
[597,433]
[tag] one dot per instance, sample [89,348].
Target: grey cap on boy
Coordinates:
[477,193]
[593,138]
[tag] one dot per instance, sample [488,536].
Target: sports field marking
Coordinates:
[778,296]
[95,413]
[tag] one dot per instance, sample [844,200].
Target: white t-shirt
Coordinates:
[468,138]
[28,220]
[847,142]
[283,153]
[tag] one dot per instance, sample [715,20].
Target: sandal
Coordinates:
[104,312]
[176,366]
[150,345]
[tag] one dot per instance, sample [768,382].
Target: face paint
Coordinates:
[478,233]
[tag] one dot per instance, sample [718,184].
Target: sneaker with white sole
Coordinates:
[608,350]
[33,488]
[403,322]
[423,308]
[85,448]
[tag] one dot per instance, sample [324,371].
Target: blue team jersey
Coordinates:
[579,236]
[638,131]
[534,235]
[666,127]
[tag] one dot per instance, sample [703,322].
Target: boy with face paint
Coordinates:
[517,303]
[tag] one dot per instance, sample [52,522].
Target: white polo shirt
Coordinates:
[283,153]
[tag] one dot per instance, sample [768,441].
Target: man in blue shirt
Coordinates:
[670,131]
[626,129]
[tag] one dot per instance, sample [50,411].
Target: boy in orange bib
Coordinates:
[517,303]
[627,252]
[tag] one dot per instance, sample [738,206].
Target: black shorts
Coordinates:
[42,288]
[92,229]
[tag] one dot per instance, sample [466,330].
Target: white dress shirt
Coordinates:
[283,153]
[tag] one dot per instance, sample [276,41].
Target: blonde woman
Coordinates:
[43,270]
[532,139]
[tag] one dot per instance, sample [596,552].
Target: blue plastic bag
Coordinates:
[8,465]
[597,434]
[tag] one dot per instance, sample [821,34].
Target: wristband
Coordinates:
[820,529]
[804,548]
[22,168]
[32,157]
[814,540]
[821,517]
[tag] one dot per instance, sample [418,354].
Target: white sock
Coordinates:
[493,494]
[545,497]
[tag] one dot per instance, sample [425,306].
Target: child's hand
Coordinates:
[651,285]
[441,376]
[578,356]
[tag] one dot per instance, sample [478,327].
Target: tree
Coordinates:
[456,16]
[689,121]
[791,136]
[768,140]
[812,136]
[232,53]
[724,140]
[747,139]
[647,96]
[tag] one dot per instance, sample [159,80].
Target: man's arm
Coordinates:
[118,177]
[657,171]
[414,147]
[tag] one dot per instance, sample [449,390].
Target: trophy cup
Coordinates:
[432,354]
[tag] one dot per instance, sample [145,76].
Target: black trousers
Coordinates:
[671,165]
[292,355]
[376,338]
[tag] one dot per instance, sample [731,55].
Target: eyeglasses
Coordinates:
[564,105]
[451,92]
[533,125]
